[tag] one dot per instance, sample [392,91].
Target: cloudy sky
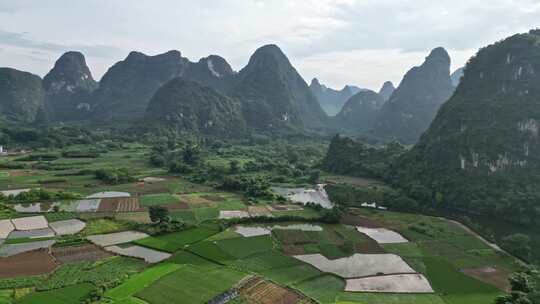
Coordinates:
[360,42]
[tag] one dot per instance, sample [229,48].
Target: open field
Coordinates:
[31,263]
[140,281]
[185,284]
[79,253]
[175,241]
[66,295]
[204,261]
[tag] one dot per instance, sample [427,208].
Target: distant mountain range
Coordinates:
[269,94]
[332,100]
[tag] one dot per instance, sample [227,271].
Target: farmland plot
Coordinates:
[68,227]
[79,253]
[259,291]
[31,263]
[30,223]
[32,234]
[247,231]
[108,194]
[6,226]
[382,235]
[7,250]
[116,238]
[149,255]
[358,265]
[88,205]
[192,284]
[400,283]
[230,214]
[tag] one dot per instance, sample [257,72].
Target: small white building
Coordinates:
[3,151]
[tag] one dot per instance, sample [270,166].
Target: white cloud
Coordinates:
[362,42]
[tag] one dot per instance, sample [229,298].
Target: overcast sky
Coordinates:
[360,42]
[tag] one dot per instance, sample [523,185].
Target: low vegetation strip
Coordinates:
[192,284]
[174,241]
[66,295]
[140,281]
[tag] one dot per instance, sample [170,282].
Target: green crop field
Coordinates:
[323,288]
[210,251]
[140,281]
[158,199]
[377,298]
[66,295]
[191,284]
[178,240]
[246,246]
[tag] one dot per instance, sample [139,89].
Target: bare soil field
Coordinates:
[259,291]
[79,253]
[27,264]
[495,276]
[120,204]
[358,220]
[259,211]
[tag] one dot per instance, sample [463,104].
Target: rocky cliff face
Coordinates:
[482,151]
[414,104]
[125,90]
[387,90]
[359,112]
[274,96]
[456,76]
[68,87]
[187,106]
[21,96]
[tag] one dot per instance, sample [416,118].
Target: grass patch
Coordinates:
[184,215]
[290,275]
[185,257]
[379,298]
[404,249]
[266,261]
[158,199]
[210,251]
[204,214]
[104,225]
[191,284]
[66,295]
[246,246]
[174,241]
[453,284]
[323,289]
[140,281]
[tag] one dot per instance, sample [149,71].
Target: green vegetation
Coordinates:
[66,295]
[140,281]
[185,283]
[158,199]
[174,241]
